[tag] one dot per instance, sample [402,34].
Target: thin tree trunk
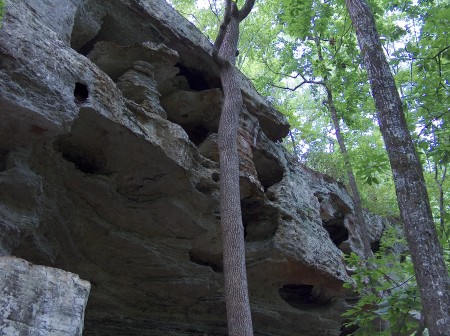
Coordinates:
[294,147]
[365,236]
[236,290]
[415,210]
[440,183]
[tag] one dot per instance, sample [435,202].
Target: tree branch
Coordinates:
[214,10]
[280,73]
[222,31]
[246,9]
[441,51]
[299,85]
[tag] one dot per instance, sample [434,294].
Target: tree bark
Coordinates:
[440,183]
[236,289]
[426,253]
[365,235]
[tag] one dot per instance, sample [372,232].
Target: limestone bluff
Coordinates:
[109,171]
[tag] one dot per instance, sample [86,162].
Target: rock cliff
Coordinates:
[109,169]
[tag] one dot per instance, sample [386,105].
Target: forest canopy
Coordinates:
[304,57]
[279,53]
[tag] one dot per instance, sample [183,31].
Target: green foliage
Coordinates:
[374,164]
[2,6]
[391,276]
[390,272]
[299,43]
[206,19]
[280,47]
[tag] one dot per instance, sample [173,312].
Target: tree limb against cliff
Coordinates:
[235,274]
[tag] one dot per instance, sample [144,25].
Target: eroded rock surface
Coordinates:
[109,169]
[40,301]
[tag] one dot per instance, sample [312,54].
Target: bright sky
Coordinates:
[203,4]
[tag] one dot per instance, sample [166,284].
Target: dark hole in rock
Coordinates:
[215,177]
[333,212]
[81,41]
[196,133]
[302,296]
[375,246]
[271,196]
[80,93]
[335,227]
[206,260]
[3,159]
[260,220]
[286,217]
[269,170]
[196,80]
[86,48]
[205,188]
[89,161]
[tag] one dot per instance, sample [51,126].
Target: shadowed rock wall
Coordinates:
[109,169]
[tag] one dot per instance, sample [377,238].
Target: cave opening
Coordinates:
[86,48]
[333,212]
[260,220]
[336,229]
[196,133]
[214,262]
[195,78]
[302,296]
[88,160]
[269,170]
[375,245]
[80,93]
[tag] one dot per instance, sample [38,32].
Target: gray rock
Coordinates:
[109,169]
[40,301]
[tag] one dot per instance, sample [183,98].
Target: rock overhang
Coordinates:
[109,118]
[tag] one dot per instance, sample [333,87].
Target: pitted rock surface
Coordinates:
[109,169]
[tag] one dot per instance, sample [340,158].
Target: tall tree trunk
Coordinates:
[365,235]
[426,253]
[236,289]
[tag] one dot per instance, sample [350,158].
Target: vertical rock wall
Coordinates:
[109,169]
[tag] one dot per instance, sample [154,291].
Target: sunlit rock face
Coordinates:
[109,113]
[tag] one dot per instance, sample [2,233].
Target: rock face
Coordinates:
[40,301]
[109,169]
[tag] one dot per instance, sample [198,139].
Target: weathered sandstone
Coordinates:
[109,169]
[40,301]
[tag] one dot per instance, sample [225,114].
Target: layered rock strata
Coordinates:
[109,169]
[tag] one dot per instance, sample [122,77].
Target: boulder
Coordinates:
[38,300]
